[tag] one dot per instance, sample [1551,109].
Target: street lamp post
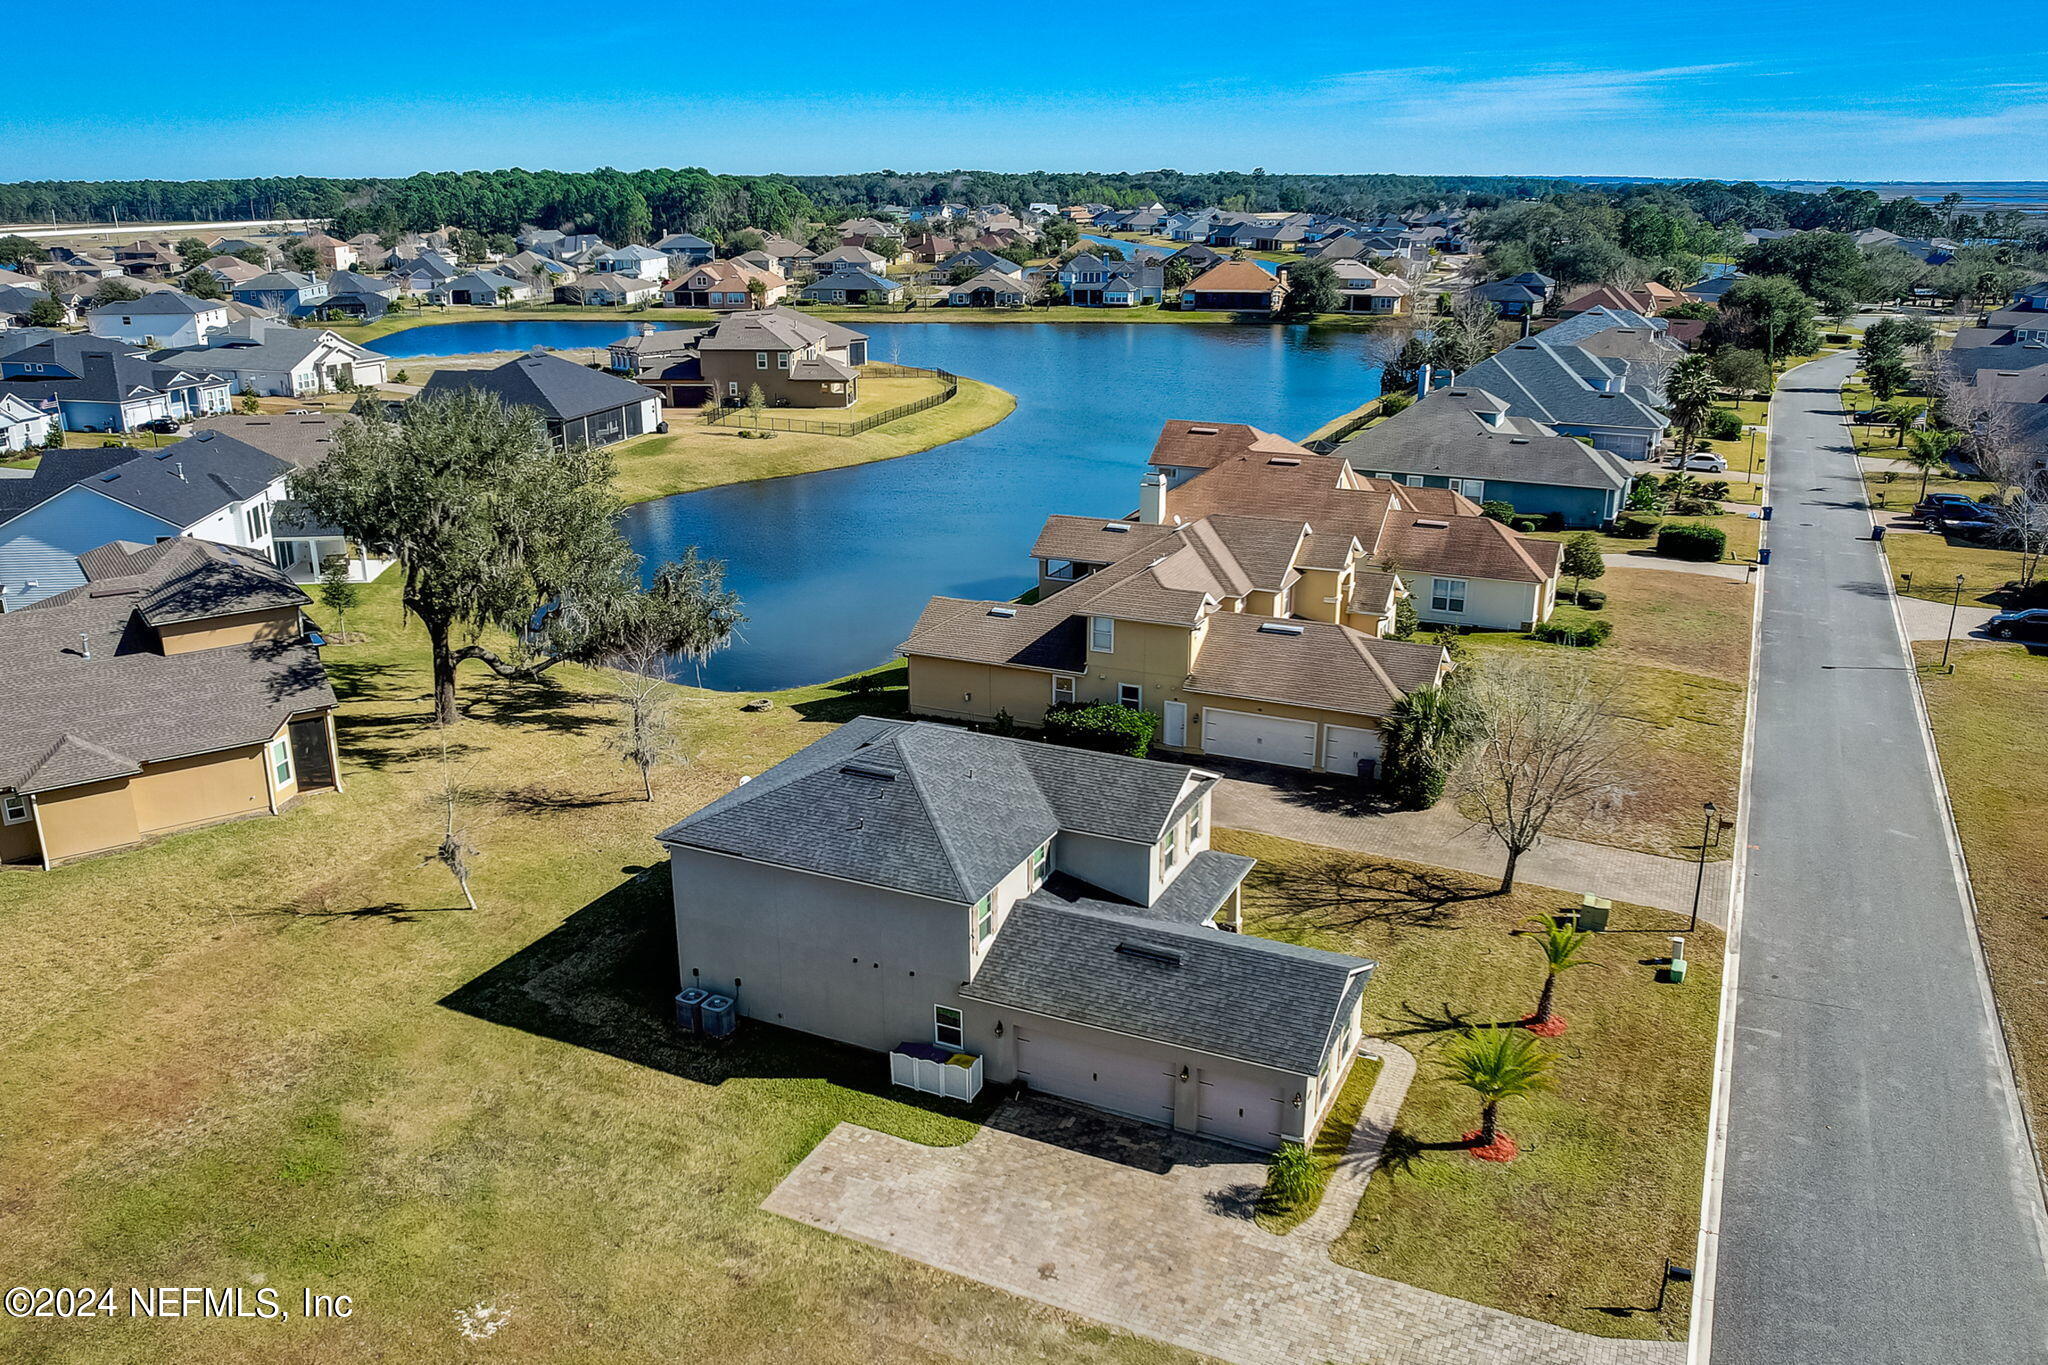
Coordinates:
[1953,607]
[1700,878]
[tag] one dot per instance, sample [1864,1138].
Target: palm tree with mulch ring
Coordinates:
[1496,1064]
[1561,946]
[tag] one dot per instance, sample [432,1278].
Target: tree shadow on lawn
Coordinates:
[542,704]
[605,979]
[882,693]
[1340,892]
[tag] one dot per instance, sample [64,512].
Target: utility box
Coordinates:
[1593,913]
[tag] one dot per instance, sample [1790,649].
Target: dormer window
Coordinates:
[1169,848]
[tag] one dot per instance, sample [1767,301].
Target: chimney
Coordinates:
[1423,377]
[647,329]
[1152,499]
[85,644]
[178,469]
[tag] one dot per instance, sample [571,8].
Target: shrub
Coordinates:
[1293,1178]
[1101,726]
[1690,540]
[1400,400]
[1724,424]
[1837,338]
[1592,599]
[1503,512]
[1638,525]
[1588,635]
[1717,490]
[1526,524]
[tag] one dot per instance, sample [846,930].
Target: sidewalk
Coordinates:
[1314,812]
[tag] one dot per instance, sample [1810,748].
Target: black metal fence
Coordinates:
[774,420]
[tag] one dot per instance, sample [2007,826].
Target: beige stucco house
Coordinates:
[177,687]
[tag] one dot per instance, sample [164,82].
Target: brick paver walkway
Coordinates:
[1369,1136]
[1313,811]
[1167,1255]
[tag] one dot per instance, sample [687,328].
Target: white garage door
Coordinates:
[1264,739]
[1347,750]
[1235,1109]
[1094,1073]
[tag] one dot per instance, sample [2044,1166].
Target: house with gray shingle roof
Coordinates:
[581,406]
[1574,393]
[1041,916]
[177,685]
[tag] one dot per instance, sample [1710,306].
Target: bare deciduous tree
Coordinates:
[1546,747]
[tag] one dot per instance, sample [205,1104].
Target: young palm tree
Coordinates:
[1560,945]
[1690,393]
[1497,1065]
[1927,451]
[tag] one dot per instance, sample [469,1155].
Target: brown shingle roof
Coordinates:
[1233,277]
[1326,666]
[1199,445]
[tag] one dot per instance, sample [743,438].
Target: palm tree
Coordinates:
[1497,1065]
[1928,453]
[1690,393]
[1560,945]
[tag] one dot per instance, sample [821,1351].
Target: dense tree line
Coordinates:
[1238,191]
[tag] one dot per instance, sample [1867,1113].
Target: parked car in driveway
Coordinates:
[1951,507]
[1700,462]
[2030,624]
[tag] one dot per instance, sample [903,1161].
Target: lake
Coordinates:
[835,566]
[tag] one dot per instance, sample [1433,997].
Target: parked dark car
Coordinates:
[1951,507]
[164,426]
[2030,624]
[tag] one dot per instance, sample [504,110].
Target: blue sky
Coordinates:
[1825,90]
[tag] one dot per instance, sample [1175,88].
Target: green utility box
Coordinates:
[1675,973]
[1593,913]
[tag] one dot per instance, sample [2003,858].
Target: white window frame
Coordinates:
[1102,634]
[1041,864]
[1169,848]
[940,1028]
[1062,690]
[760,360]
[985,919]
[1194,825]
[1413,480]
[1135,698]
[732,388]
[782,360]
[1474,489]
[14,809]
[1443,599]
[281,759]
[254,521]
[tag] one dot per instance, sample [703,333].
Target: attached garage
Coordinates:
[1348,750]
[1262,739]
[1238,1108]
[1073,1065]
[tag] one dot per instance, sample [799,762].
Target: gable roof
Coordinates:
[189,480]
[83,710]
[561,389]
[57,471]
[1234,277]
[1448,433]
[1557,385]
[167,302]
[932,810]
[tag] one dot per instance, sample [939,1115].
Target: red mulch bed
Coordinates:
[1502,1149]
[1556,1026]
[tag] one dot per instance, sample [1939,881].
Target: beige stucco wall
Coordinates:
[1490,604]
[969,691]
[723,367]
[215,632]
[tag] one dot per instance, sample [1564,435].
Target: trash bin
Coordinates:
[1877,534]
[1767,511]
[1763,556]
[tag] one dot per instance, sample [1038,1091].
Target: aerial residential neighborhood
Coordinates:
[1425,750]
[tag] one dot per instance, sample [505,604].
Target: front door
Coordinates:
[312,760]
[1176,735]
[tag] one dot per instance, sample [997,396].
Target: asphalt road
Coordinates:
[1880,1204]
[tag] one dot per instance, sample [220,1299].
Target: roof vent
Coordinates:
[1004,612]
[1117,527]
[1278,628]
[1432,523]
[1201,431]
[870,770]
[1460,393]
[1145,952]
[1283,459]
[1518,440]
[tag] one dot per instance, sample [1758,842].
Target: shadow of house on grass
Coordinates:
[884,692]
[606,978]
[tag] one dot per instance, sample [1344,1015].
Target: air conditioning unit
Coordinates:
[717,1016]
[689,1004]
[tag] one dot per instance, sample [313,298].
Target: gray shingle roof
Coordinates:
[1444,434]
[162,301]
[561,389]
[1558,385]
[73,718]
[57,471]
[191,479]
[1233,995]
[929,809]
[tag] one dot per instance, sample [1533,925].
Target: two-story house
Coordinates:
[103,385]
[210,486]
[1361,289]
[163,318]
[284,292]
[641,262]
[176,686]
[1238,286]
[684,249]
[914,888]
[1575,393]
[726,286]
[265,356]
[1093,281]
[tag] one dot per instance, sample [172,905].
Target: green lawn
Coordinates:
[270,1052]
[1743,531]
[1676,669]
[1574,1231]
[693,455]
[1990,726]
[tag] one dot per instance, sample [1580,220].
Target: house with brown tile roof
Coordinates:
[1236,286]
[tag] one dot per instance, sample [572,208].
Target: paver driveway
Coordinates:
[1151,1233]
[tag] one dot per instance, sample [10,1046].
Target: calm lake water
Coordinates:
[834,567]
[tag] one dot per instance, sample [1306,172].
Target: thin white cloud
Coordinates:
[1440,98]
